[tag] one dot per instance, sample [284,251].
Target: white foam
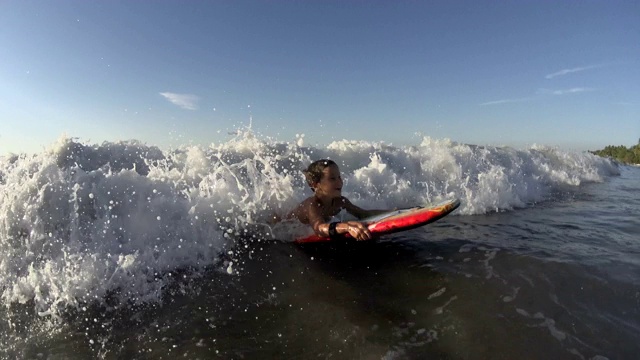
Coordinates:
[79,221]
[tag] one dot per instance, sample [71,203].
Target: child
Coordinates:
[323,176]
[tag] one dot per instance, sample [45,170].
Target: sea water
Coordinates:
[124,250]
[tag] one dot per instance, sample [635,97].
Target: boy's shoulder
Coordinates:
[313,201]
[309,201]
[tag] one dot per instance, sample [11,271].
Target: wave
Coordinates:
[79,222]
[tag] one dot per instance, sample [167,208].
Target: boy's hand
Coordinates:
[358,230]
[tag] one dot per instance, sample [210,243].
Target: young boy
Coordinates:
[323,176]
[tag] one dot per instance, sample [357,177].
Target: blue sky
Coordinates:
[559,73]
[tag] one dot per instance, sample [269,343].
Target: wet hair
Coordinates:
[313,173]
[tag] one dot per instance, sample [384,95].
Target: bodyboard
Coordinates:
[395,221]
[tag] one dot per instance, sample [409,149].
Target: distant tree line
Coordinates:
[629,155]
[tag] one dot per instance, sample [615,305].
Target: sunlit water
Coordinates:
[121,250]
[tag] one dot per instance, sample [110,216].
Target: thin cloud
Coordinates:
[185,101]
[570,71]
[566,91]
[505,101]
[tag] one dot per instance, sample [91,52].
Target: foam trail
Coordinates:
[79,222]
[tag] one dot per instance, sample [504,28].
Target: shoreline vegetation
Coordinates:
[628,155]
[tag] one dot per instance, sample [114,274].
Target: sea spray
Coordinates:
[80,222]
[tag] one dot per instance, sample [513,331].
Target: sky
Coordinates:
[172,73]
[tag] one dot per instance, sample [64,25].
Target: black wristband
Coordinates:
[332,230]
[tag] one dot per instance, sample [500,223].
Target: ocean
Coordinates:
[122,250]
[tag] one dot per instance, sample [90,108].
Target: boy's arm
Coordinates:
[322,228]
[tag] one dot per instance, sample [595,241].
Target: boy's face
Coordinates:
[330,183]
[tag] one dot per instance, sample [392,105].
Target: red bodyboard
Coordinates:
[396,221]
